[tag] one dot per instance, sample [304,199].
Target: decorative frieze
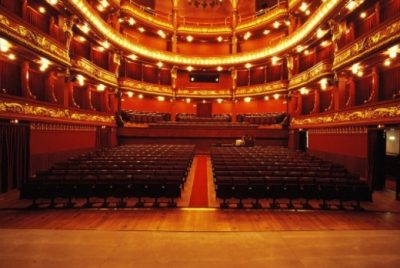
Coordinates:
[60,127]
[139,86]
[316,72]
[340,130]
[34,40]
[88,68]
[270,16]
[269,88]
[203,93]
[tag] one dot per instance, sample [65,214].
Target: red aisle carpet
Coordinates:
[199,197]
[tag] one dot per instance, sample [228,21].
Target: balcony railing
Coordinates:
[143,87]
[268,88]
[319,70]
[88,68]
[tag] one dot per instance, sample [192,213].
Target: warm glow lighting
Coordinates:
[303,7]
[140,96]
[105,44]
[266,98]
[304,91]
[321,33]
[52,2]
[387,62]
[276,24]
[131,21]
[306,52]
[299,48]
[275,60]
[351,5]
[101,88]
[81,39]
[141,29]
[248,65]
[191,79]
[11,56]
[188,100]
[219,68]
[308,12]
[363,15]
[161,98]
[219,101]
[360,73]
[355,68]
[4,45]
[189,38]
[189,68]
[160,64]
[325,43]
[219,38]
[393,51]
[100,48]
[287,22]
[161,33]
[84,28]
[81,79]
[392,138]
[42,10]
[44,64]
[247,35]
[130,94]
[132,57]
[324,83]
[100,8]
[104,3]
[247,99]
[266,32]
[276,96]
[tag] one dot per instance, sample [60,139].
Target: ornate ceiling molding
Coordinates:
[269,88]
[367,45]
[88,68]
[139,86]
[15,109]
[368,115]
[319,70]
[321,14]
[33,40]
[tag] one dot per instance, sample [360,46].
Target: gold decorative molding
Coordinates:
[60,127]
[143,87]
[140,14]
[293,3]
[88,68]
[268,88]
[319,70]
[340,130]
[33,40]
[199,30]
[268,17]
[367,45]
[203,93]
[323,13]
[34,110]
[371,114]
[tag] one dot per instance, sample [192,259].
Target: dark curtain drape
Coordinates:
[242,78]
[389,83]
[13,6]
[324,53]
[363,89]
[134,70]
[325,99]
[8,81]
[37,84]
[274,73]
[100,58]
[306,62]
[96,100]
[14,155]
[257,75]
[307,104]
[376,158]
[165,77]
[150,74]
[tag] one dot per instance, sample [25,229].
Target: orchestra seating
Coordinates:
[181,117]
[144,117]
[262,118]
[277,173]
[140,171]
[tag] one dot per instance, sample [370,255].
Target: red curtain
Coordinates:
[80,49]
[37,83]
[325,99]
[165,77]
[363,89]
[242,78]
[389,83]
[96,100]
[150,74]
[13,6]
[100,58]
[10,82]
[41,21]
[14,155]
[307,104]
[274,73]
[79,95]
[134,70]
[257,75]
[389,9]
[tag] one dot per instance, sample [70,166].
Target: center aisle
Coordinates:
[199,196]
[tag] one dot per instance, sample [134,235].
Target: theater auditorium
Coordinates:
[195,133]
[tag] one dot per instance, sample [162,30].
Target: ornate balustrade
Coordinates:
[318,71]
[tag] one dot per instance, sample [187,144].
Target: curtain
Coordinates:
[36,83]
[307,104]
[80,49]
[9,84]
[165,77]
[324,53]
[150,74]
[274,73]
[363,89]
[389,83]
[134,70]
[325,99]
[257,75]
[306,62]
[242,78]
[100,58]
[96,100]
[14,155]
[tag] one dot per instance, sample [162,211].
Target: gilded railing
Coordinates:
[268,17]
[268,88]
[88,68]
[32,39]
[366,45]
[143,87]
[203,93]
[319,70]
[379,114]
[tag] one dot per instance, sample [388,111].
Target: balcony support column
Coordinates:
[26,88]
[174,38]
[234,23]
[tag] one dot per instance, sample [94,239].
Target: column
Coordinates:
[234,14]
[50,94]
[174,39]
[26,89]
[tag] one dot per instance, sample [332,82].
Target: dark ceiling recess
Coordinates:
[203,78]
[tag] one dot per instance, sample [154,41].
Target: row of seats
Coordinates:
[144,117]
[261,118]
[181,117]
[121,172]
[276,173]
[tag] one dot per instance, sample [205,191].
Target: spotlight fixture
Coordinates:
[131,21]
[266,98]
[304,91]
[42,10]
[161,98]
[141,29]
[11,56]
[188,100]
[219,68]
[387,62]
[81,79]
[247,35]
[276,24]
[276,96]
[140,96]
[266,32]
[324,83]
